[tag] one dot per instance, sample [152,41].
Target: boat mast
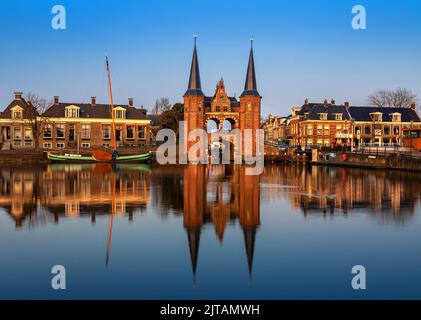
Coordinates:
[113,128]
[110,230]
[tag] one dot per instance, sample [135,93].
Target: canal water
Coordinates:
[208,232]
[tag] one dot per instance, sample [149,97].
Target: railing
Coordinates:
[384,149]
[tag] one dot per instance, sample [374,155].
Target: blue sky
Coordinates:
[303,49]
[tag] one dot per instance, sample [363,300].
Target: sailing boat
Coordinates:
[102,155]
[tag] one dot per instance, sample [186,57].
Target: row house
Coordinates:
[331,125]
[72,125]
[382,126]
[275,129]
[321,124]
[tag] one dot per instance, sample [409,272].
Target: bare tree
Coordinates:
[161,105]
[380,98]
[399,98]
[34,116]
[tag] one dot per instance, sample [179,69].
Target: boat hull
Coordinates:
[145,157]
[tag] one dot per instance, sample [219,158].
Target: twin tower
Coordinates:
[200,109]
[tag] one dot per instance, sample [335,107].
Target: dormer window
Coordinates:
[17,113]
[119,113]
[377,116]
[396,117]
[323,116]
[338,116]
[72,112]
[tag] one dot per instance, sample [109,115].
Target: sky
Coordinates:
[303,49]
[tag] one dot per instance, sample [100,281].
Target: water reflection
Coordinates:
[328,191]
[215,196]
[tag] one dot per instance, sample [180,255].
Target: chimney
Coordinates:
[346,104]
[131,102]
[18,95]
[306,102]
[56,99]
[333,101]
[413,106]
[93,101]
[325,103]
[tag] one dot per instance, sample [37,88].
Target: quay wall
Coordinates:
[394,161]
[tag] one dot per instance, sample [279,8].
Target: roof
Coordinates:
[363,113]
[250,87]
[7,113]
[194,86]
[99,111]
[315,109]
[356,113]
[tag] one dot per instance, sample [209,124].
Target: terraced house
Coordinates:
[322,124]
[330,125]
[71,125]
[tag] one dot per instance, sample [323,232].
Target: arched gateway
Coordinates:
[220,111]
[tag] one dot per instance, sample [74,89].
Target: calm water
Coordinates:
[188,232]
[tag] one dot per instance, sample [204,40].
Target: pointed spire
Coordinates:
[194,86]
[249,240]
[250,87]
[194,241]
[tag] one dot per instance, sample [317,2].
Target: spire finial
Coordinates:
[251,42]
[195,39]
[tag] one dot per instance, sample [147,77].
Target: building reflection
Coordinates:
[220,195]
[333,190]
[72,191]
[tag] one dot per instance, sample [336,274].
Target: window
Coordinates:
[357,130]
[17,113]
[396,117]
[396,130]
[72,112]
[323,116]
[141,133]
[28,133]
[309,130]
[386,130]
[86,131]
[338,116]
[86,145]
[377,116]
[338,129]
[60,145]
[47,145]
[130,132]
[319,130]
[218,109]
[106,132]
[327,130]
[119,113]
[17,133]
[225,109]
[48,131]
[367,129]
[60,131]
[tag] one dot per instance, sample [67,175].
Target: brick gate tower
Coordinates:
[200,109]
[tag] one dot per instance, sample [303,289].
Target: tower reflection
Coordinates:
[220,194]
